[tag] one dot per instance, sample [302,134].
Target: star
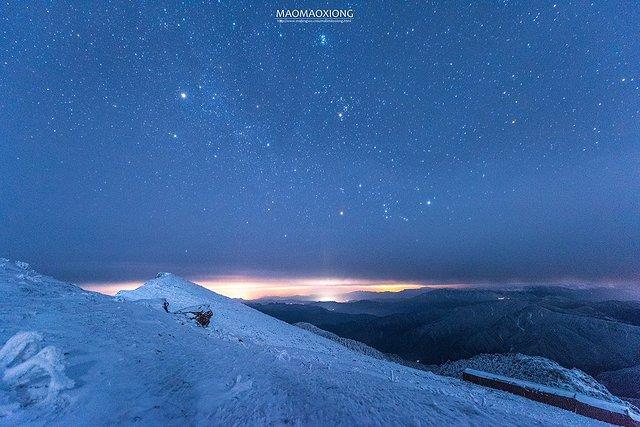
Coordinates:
[183,95]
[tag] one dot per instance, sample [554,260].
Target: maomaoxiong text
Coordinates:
[314,15]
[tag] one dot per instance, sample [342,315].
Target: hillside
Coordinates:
[538,370]
[624,382]
[442,325]
[127,360]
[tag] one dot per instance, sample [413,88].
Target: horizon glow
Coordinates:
[255,287]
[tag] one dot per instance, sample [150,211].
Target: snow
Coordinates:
[354,345]
[31,375]
[21,345]
[535,369]
[48,362]
[609,406]
[129,361]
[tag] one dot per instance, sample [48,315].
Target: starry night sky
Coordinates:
[430,141]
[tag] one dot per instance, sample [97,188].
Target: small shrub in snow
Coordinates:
[23,265]
[203,317]
[21,346]
[201,314]
[34,374]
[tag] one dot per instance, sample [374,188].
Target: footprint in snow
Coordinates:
[238,387]
[284,356]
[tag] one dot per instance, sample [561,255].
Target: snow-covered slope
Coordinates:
[132,362]
[231,319]
[354,345]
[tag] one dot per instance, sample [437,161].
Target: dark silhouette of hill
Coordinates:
[576,328]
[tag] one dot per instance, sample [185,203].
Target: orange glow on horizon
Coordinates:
[247,287]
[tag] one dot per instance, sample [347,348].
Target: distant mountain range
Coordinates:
[582,328]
